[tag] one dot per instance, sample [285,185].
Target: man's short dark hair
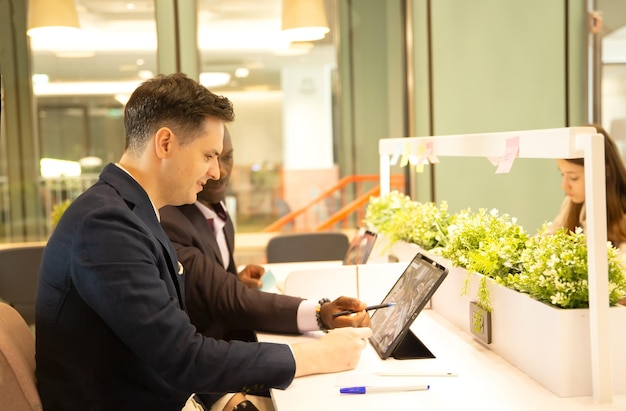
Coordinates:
[175,101]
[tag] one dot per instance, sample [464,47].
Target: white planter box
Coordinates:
[549,344]
[400,251]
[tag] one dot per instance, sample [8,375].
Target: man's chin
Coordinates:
[213,196]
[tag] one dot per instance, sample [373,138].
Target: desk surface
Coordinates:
[484,380]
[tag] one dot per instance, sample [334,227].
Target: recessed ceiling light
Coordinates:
[242,72]
[214,79]
[145,74]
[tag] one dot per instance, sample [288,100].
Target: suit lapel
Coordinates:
[138,201]
[205,234]
[229,233]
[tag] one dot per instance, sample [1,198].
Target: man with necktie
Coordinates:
[221,302]
[218,233]
[112,329]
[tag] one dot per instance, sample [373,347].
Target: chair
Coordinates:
[19,271]
[18,387]
[315,246]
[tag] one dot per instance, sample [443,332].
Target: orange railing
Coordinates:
[361,196]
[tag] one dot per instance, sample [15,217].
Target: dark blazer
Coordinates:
[215,299]
[111,330]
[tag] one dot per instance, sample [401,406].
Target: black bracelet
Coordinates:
[245,405]
[318,314]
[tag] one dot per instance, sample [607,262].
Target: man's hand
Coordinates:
[251,275]
[339,350]
[359,319]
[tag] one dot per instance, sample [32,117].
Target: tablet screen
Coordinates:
[360,247]
[409,294]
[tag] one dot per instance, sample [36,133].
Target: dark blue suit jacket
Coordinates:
[112,333]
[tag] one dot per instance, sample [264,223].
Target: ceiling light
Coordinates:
[45,16]
[90,161]
[145,74]
[122,98]
[52,167]
[74,54]
[39,79]
[214,79]
[294,49]
[242,72]
[304,20]
[85,88]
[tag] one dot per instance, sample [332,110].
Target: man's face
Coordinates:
[215,190]
[188,167]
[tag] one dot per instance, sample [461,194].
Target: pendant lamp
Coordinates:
[46,15]
[304,20]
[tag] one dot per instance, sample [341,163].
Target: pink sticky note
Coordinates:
[430,153]
[510,153]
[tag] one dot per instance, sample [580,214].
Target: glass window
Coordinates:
[81,84]
[282,93]
[281,89]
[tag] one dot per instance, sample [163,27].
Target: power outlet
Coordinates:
[480,323]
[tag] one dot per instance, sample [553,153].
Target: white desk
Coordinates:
[282,270]
[485,381]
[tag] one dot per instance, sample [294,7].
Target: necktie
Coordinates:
[211,224]
[219,232]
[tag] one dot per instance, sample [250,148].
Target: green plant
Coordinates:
[58,210]
[550,268]
[487,243]
[554,270]
[401,219]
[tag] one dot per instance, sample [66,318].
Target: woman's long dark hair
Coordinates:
[615,192]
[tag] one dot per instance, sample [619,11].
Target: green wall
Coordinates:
[480,66]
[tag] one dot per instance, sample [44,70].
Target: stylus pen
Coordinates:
[371,307]
[383,388]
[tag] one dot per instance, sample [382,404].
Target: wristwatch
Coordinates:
[245,405]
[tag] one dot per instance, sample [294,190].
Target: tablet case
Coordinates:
[410,293]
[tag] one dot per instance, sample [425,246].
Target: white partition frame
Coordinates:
[571,142]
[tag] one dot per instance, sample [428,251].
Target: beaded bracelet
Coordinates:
[318,314]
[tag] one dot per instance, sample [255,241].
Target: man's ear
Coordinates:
[163,140]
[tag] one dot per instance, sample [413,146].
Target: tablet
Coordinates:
[409,295]
[360,247]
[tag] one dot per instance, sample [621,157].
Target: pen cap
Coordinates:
[352,390]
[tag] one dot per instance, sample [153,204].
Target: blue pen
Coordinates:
[383,388]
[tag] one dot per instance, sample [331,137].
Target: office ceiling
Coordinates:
[118,43]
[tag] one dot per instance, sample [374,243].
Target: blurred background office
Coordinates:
[310,111]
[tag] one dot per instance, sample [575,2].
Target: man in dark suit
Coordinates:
[219,305]
[112,331]
[215,229]
[204,238]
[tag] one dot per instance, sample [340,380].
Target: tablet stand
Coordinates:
[411,348]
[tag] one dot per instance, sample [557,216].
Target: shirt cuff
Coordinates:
[306,316]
